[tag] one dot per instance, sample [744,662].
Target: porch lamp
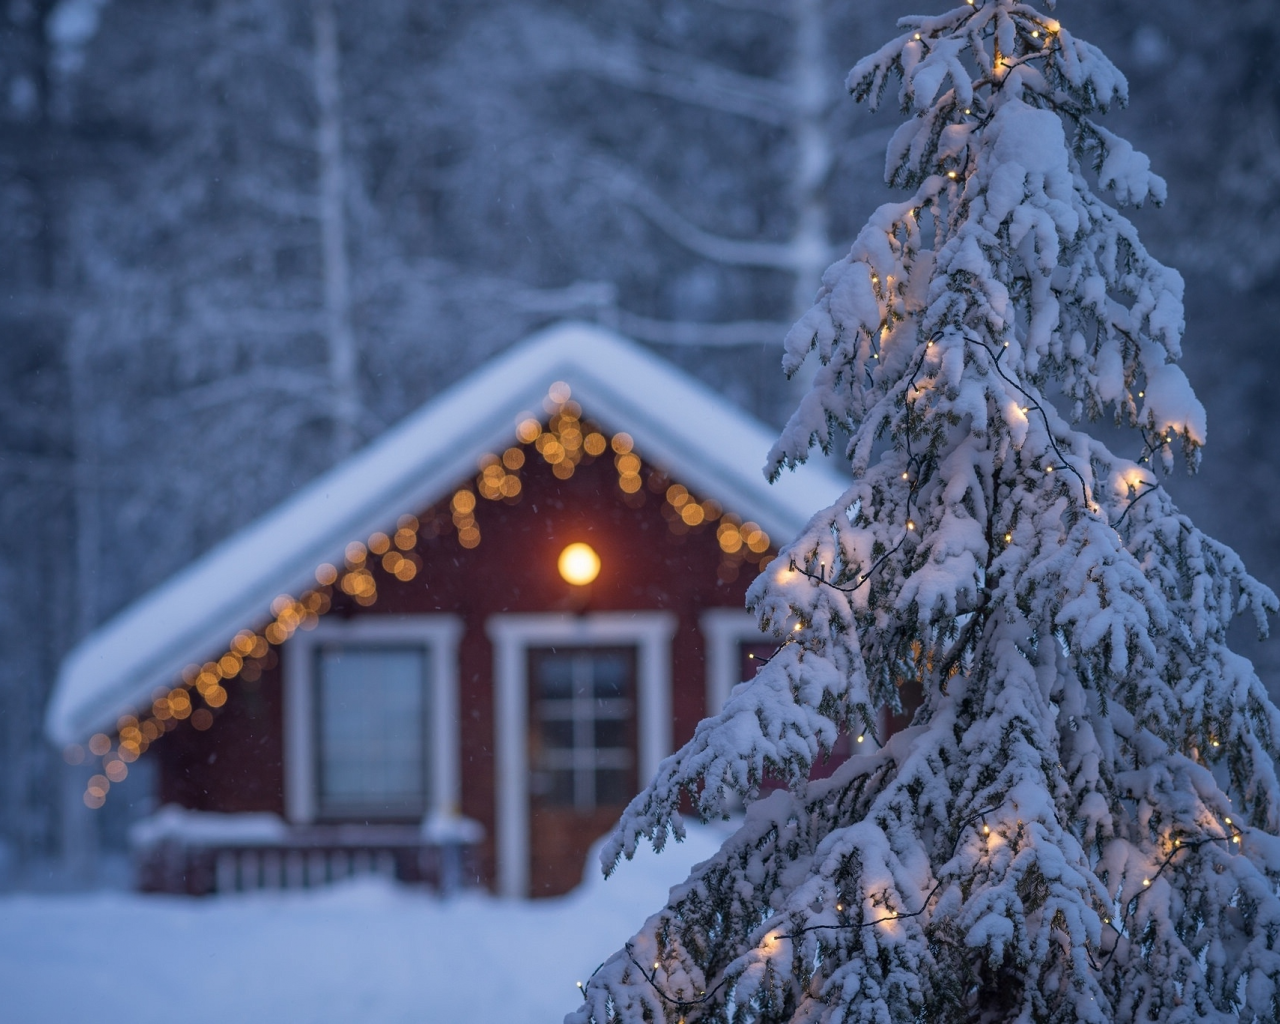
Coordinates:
[579,564]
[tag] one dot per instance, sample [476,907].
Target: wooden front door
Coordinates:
[582,756]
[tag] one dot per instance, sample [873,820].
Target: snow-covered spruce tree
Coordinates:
[1081,822]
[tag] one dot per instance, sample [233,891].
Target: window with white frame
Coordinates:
[371,719]
[582,741]
[373,709]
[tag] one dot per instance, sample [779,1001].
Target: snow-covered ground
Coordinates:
[362,952]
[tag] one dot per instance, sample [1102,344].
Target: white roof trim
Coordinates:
[677,424]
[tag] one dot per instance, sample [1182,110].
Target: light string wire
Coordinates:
[1131,905]
[914,463]
[683,1005]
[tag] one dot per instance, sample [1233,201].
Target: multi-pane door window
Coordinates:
[583,724]
[372,725]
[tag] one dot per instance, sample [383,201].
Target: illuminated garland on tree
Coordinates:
[1067,624]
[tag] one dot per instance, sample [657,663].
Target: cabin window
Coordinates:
[371,719]
[583,726]
[372,729]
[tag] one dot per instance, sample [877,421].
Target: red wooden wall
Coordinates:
[646,564]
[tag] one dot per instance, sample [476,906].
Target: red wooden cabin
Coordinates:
[394,666]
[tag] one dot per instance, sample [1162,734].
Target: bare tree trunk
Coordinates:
[810,242]
[800,102]
[86,479]
[78,823]
[339,336]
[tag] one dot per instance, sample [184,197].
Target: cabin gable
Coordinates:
[429,675]
[480,604]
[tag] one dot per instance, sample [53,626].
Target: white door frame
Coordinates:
[438,635]
[512,636]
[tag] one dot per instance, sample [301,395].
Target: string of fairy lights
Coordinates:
[1039,40]
[1174,844]
[1139,488]
[564,442]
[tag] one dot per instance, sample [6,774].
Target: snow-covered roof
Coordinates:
[676,422]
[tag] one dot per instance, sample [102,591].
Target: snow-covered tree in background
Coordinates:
[1081,822]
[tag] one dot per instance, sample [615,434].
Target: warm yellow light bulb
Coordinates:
[1146,881]
[986,830]
[861,738]
[911,524]
[579,564]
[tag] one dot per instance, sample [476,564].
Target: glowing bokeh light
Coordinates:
[559,392]
[579,564]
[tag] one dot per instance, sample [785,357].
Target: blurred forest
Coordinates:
[242,237]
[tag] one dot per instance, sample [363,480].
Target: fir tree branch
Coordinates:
[681,1004]
[1131,906]
[955,845]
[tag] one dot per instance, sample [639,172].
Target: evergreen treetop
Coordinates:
[1081,822]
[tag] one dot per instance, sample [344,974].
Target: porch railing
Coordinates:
[198,853]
